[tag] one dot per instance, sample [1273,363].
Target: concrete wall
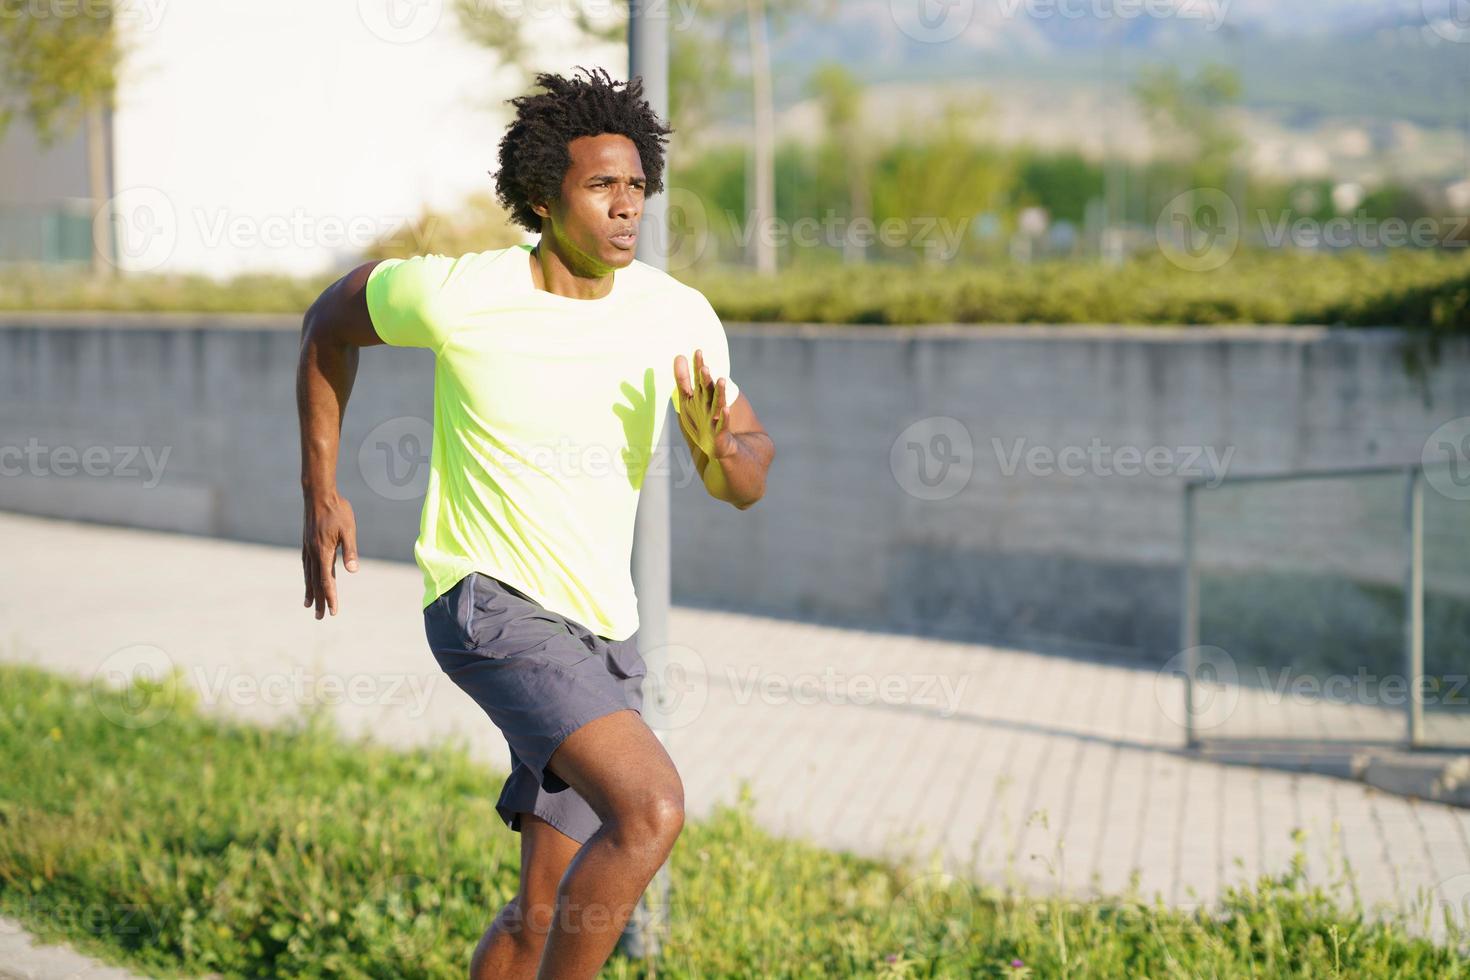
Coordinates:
[864,521]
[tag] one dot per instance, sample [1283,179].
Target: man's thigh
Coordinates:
[617,764]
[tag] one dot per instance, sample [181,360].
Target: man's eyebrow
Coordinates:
[636,180]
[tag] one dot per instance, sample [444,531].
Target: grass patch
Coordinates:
[192,845]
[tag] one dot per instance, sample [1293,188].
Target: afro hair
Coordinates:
[534,154]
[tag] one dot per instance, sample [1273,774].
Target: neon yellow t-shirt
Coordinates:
[546,409]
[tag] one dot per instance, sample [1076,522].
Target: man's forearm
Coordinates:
[324,378]
[740,478]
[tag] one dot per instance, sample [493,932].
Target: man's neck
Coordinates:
[550,273]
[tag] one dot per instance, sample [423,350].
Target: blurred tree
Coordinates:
[1191,117]
[58,70]
[475,226]
[761,18]
[842,108]
[1063,183]
[937,181]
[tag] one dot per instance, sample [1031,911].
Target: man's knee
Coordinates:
[655,819]
[527,922]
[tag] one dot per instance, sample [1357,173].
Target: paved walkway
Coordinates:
[888,745]
[22,959]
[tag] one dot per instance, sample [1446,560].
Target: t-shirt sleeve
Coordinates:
[708,336]
[407,301]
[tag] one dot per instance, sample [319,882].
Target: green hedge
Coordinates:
[1422,290]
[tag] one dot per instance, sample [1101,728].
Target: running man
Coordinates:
[553,365]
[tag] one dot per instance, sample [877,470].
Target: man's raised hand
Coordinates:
[703,413]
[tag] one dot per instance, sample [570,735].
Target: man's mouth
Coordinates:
[625,239]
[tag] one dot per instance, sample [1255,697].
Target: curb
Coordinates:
[1438,778]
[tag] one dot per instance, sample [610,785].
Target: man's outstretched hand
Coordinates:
[703,413]
[329,524]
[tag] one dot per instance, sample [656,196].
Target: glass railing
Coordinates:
[1328,607]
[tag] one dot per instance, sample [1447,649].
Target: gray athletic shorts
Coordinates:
[539,676]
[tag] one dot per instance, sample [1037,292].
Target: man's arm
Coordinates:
[733,436]
[332,331]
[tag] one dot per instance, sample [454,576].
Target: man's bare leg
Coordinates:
[621,769]
[511,948]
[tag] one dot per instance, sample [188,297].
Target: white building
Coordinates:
[277,135]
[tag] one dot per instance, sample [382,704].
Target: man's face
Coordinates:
[601,200]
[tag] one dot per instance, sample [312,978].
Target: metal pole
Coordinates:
[648,58]
[1414,604]
[1189,618]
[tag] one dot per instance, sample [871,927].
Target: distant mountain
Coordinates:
[1373,59]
